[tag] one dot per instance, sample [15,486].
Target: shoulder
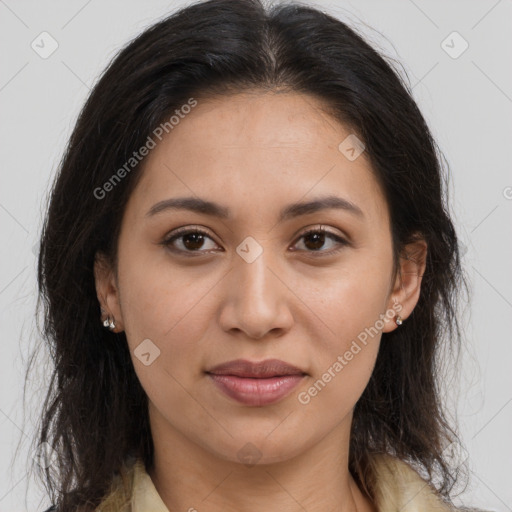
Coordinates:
[130,489]
[398,486]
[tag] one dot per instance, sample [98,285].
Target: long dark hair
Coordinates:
[95,413]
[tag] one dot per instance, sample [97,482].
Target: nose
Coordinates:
[257,300]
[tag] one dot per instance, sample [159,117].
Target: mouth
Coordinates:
[256,383]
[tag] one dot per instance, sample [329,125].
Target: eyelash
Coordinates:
[167,242]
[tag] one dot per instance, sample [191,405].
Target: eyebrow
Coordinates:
[202,206]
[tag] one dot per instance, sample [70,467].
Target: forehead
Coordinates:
[257,151]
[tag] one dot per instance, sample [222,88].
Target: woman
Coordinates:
[248,272]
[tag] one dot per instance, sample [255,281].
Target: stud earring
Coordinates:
[109,323]
[399,320]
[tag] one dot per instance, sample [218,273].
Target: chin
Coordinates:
[257,449]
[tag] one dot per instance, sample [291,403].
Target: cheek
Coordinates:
[155,295]
[343,363]
[352,310]
[348,306]
[168,318]
[169,308]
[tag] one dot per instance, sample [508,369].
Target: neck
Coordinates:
[189,477]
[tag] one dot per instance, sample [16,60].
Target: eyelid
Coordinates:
[186,229]
[320,227]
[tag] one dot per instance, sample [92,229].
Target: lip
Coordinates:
[256,383]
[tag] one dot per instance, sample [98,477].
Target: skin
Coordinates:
[255,153]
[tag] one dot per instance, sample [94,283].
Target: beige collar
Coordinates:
[145,497]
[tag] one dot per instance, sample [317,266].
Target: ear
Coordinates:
[107,291]
[407,286]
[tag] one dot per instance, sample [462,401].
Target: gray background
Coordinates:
[467,101]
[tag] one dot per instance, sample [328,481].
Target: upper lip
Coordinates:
[262,369]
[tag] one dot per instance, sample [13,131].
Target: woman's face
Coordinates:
[253,286]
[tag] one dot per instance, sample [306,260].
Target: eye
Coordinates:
[315,239]
[194,240]
[188,240]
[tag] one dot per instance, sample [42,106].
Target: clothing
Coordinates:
[398,488]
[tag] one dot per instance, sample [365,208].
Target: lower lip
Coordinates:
[250,391]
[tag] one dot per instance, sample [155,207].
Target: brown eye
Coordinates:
[315,239]
[189,241]
[193,241]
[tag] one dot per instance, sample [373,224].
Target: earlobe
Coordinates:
[407,286]
[107,293]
